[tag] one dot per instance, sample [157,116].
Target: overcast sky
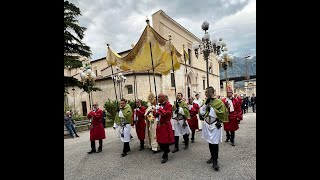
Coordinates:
[121,22]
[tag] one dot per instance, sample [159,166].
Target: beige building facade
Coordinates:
[194,83]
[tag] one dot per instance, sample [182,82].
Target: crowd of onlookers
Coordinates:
[248,102]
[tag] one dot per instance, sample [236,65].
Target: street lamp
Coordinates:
[207,46]
[248,55]
[87,78]
[119,78]
[225,60]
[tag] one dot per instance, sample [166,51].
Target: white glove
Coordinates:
[115,126]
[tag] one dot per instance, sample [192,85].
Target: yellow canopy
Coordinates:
[139,57]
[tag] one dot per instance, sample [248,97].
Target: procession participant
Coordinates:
[239,99]
[181,127]
[164,129]
[139,122]
[199,101]
[214,113]
[151,124]
[96,129]
[123,120]
[234,109]
[193,121]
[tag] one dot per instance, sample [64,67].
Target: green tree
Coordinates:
[73,47]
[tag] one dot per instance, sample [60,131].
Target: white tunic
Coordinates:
[126,133]
[210,133]
[178,129]
[125,130]
[199,102]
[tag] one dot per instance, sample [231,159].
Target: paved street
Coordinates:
[236,162]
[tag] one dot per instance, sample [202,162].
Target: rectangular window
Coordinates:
[204,84]
[189,53]
[130,90]
[172,80]
[84,108]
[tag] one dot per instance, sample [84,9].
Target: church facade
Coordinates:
[189,85]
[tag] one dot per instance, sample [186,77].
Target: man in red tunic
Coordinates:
[193,121]
[138,120]
[96,129]
[164,129]
[234,109]
[240,103]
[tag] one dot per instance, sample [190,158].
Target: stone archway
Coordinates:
[191,83]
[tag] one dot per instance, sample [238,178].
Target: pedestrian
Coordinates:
[253,103]
[69,123]
[104,116]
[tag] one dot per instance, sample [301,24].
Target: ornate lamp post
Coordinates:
[88,79]
[119,79]
[207,46]
[248,55]
[225,60]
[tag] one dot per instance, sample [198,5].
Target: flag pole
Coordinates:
[154,77]
[112,77]
[174,78]
[186,79]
